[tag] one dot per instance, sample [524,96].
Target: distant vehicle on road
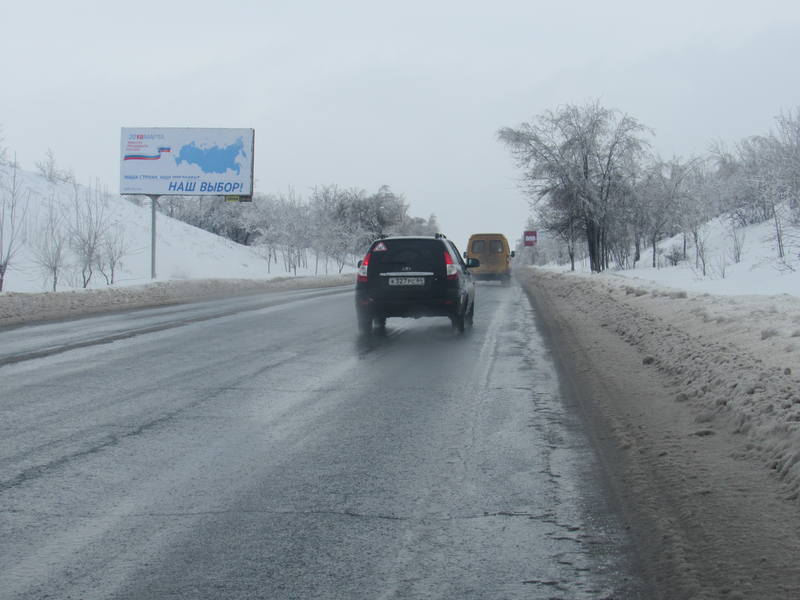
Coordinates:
[421,276]
[494,255]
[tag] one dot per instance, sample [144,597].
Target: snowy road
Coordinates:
[258,448]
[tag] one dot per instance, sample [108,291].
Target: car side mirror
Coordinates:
[513,254]
[359,264]
[473,262]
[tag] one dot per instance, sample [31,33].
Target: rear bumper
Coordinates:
[495,276]
[435,307]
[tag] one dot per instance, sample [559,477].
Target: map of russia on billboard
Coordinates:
[186,161]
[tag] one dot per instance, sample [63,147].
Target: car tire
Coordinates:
[364,324]
[380,323]
[470,314]
[458,322]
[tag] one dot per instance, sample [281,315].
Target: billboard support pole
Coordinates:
[154,203]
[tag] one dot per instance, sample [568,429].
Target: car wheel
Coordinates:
[364,324]
[380,323]
[470,313]
[458,322]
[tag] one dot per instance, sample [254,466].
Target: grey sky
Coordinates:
[407,94]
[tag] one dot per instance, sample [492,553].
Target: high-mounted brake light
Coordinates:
[452,270]
[362,270]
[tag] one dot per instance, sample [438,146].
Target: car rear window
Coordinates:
[416,255]
[479,246]
[495,246]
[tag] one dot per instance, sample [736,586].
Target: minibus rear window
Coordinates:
[479,246]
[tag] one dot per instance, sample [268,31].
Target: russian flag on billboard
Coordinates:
[147,156]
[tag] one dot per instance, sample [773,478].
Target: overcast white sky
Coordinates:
[407,94]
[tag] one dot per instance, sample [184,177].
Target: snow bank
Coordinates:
[17,308]
[735,359]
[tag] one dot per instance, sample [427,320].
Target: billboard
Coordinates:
[186,161]
[529,238]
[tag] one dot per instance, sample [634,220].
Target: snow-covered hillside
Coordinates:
[760,271]
[183,252]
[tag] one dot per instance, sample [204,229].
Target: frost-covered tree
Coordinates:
[665,191]
[4,160]
[585,152]
[787,157]
[293,232]
[328,233]
[48,169]
[417,226]
[87,229]
[50,244]
[561,217]
[13,211]
[265,228]
[737,236]
[113,248]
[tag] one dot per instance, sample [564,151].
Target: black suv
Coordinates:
[414,277]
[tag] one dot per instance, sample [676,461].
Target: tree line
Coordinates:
[334,224]
[598,189]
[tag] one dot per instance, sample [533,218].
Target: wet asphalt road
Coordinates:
[258,448]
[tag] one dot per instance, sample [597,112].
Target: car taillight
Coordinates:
[362,270]
[452,270]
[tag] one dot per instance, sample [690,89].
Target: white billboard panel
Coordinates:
[186,161]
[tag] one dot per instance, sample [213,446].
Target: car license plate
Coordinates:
[406,281]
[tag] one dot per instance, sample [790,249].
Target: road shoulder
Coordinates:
[710,518]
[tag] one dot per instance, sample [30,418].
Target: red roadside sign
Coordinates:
[529,238]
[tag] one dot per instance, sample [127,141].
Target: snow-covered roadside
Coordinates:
[18,308]
[694,403]
[728,356]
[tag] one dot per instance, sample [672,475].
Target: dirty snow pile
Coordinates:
[17,308]
[729,346]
